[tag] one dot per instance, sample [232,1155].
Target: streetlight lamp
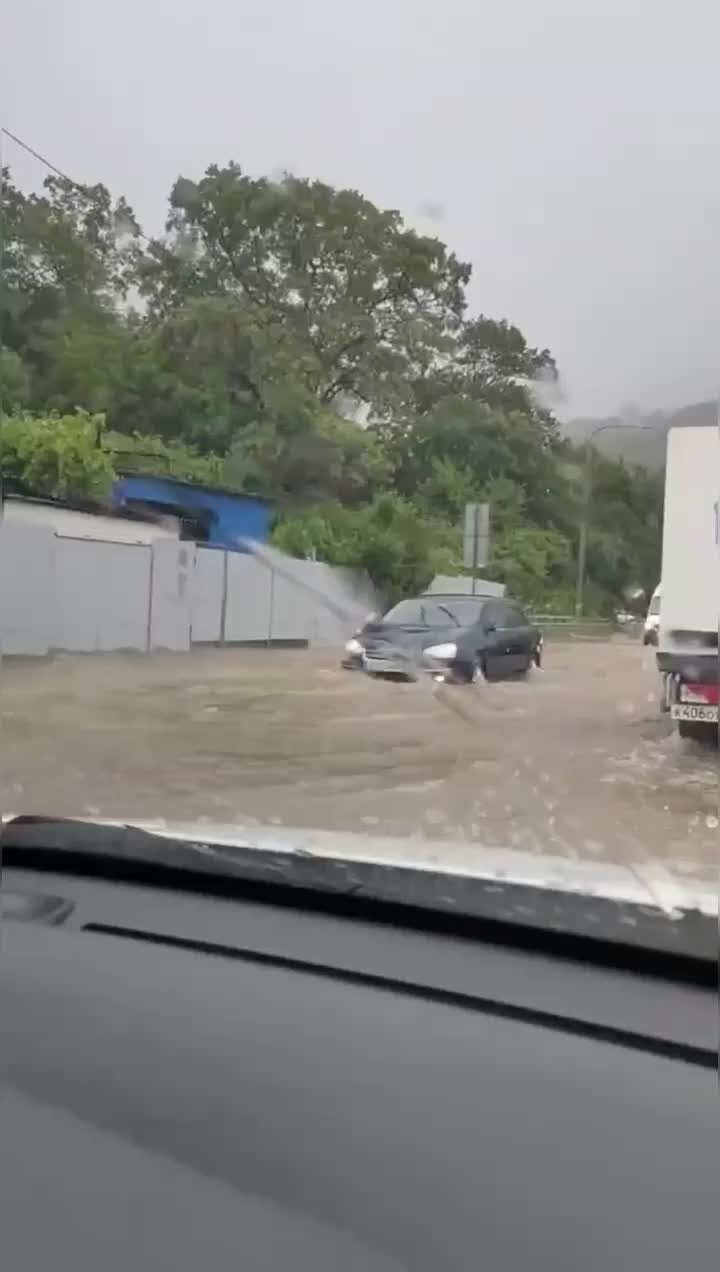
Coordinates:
[586,495]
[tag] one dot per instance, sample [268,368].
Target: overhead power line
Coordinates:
[52,167]
[41,158]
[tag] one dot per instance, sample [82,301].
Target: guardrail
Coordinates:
[569,627]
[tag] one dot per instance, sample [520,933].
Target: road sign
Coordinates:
[476,539]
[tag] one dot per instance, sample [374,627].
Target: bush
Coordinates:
[57,456]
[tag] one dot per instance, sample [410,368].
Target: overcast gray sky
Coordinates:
[569,148]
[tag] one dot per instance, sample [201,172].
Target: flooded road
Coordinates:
[576,761]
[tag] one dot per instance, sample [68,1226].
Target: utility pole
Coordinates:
[582,536]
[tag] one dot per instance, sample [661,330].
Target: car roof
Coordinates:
[460,596]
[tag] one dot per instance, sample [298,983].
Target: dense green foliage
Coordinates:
[292,339]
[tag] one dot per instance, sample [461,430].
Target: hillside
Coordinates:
[647,447]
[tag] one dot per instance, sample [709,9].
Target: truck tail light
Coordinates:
[706,695]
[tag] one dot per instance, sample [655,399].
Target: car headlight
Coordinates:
[353,646]
[442,653]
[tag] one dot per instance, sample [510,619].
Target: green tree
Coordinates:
[367,301]
[68,246]
[66,257]
[481,442]
[492,363]
[56,455]
[140,453]
[534,564]
[625,527]
[79,360]
[388,538]
[328,458]
[14,380]
[208,369]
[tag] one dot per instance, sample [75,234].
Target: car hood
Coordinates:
[629,904]
[409,637]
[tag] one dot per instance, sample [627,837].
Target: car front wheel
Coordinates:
[471,673]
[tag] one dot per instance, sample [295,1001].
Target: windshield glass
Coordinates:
[389,351]
[440,612]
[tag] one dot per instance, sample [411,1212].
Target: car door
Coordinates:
[519,638]
[496,648]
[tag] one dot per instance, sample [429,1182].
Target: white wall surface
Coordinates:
[247,612]
[27,588]
[88,596]
[206,595]
[102,593]
[85,525]
[173,569]
[348,600]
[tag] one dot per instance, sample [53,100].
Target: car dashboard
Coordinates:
[193,1079]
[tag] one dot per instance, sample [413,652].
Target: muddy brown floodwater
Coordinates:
[575,761]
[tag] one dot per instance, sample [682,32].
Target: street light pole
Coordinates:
[585,506]
[582,537]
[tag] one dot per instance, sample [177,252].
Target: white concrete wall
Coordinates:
[27,588]
[206,599]
[87,596]
[173,568]
[102,594]
[86,525]
[321,604]
[247,610]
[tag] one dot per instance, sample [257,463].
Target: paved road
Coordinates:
[576,761]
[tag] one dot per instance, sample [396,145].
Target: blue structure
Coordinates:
[220,518]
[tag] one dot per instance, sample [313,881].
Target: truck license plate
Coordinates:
[692,711]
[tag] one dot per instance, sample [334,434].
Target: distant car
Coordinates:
[651,628]
[461,638]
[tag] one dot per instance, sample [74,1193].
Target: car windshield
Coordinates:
[324,335]
[443,611]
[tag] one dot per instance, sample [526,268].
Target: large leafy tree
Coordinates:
[481,443]
[492,363]
[367,302]
[67,253]
[209,368]
[70,246]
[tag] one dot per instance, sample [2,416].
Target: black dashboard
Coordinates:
[192,1081]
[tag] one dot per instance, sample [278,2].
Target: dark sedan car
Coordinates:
[462,638]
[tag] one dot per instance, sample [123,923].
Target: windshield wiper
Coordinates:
[450,614]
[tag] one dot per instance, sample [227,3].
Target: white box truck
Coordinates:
[687,652]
